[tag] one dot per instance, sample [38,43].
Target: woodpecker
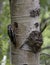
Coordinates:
[11,35]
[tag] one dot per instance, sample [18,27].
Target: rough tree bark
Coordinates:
[21,12]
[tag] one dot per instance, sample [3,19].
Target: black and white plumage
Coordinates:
[11,35]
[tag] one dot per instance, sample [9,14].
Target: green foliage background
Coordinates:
[4,39]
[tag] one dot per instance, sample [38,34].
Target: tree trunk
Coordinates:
[26,14]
